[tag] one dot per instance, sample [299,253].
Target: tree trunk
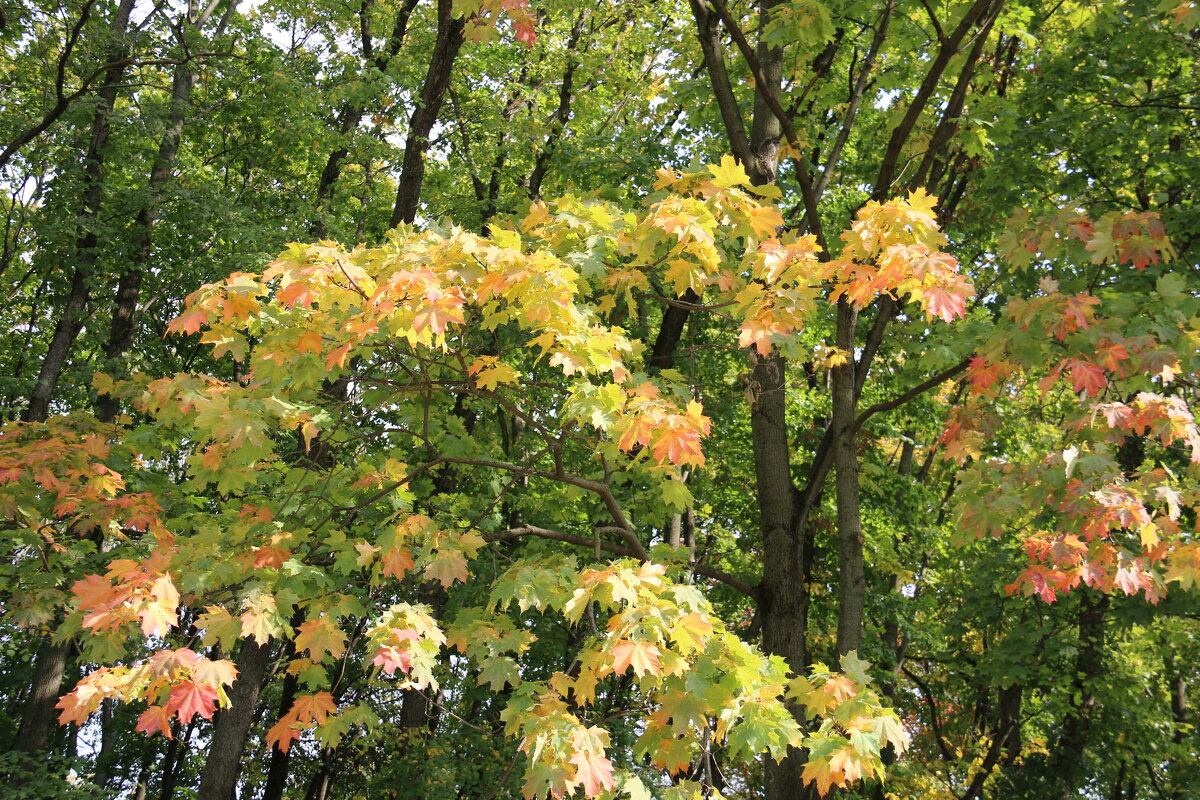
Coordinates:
[450,30]
[71,320]
[49,666]
[851,580]
[121,332]
[1067,768]
[224,761]
[277,772]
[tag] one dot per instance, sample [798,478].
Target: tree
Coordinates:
[560,472]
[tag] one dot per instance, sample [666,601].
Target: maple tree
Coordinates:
[521,399]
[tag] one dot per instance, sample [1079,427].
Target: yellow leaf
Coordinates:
[729,173]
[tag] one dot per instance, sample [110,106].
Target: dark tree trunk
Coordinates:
[224,760]
[71,320]
[49,666]
[450,30]
[129,285]
[851,580]
[1067,767]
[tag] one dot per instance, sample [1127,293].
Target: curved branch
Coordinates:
[915,391]
[583,541]
[601,490]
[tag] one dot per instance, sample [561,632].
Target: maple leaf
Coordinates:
[1128,579]
[390,659]
[215,673]
[437,316]
[164,662]
[691,631]
[765,221]
[944,304]
[593,772]
[283,733]
[641,656]
[1086,377]
[157,619]
[155,719]
[321,636]
[449,566]
[313,707]
[396,561]
[296,292]
[270,557]
[678,443]
[338,356]
[219,624]
[189,322]
[922,202]
[190,698]
[729,173]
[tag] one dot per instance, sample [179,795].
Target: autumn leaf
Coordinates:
[314,707]
[189,699]
[395,562]
[729,173]
[447,567]
[189,322]
[283,733]
[155,719]
[390,659]
[321,636]
[215,673]
[641,656]
[593,772]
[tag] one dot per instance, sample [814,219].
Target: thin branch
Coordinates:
[915,391]
[615,549]
[934,723]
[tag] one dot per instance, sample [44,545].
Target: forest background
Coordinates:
[726,399]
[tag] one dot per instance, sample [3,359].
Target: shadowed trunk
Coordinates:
[450,38]
[224,760]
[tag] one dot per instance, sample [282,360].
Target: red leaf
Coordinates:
[189,699]
[391,659]
[155,719]
[189,322]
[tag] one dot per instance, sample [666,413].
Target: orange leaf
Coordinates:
[189,699]
[642,656]
[592,771]
[155,719]
[321,636]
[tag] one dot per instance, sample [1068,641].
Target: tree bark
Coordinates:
[71,320]
[124,320]
[50,665]
[1067,767]
[224,761]
[450,37]
[851,580]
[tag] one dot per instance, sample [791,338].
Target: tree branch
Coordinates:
[609,547]
[915,391]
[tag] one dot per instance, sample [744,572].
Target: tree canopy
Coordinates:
[513,398]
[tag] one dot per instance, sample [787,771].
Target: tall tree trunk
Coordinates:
[851,580]
[1067,761]
[224,760]
[450,36]
[124,319]
[86,244]
[1177,687]
[49,666]
[50,663]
